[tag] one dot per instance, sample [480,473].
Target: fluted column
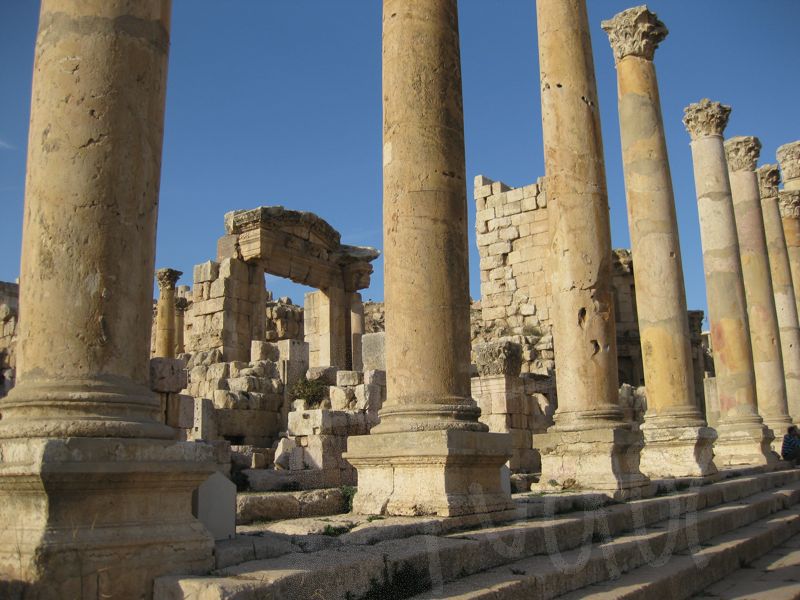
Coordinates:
[181,306]
[742,154]
[743,438]
[677,441]
[785,303]
[582,313]
[428,404]
[95,494]
[165,312]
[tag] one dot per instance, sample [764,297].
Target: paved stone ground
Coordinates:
[775,576]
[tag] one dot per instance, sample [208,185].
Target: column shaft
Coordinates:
[789,159]
[166,313]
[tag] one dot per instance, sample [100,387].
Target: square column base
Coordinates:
[599,460]
[678,452]
[744,444]
[99,517]
[445,473]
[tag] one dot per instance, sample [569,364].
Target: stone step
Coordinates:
[355,563]
[558,574]
[252,507]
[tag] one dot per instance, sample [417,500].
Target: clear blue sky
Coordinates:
[279,102]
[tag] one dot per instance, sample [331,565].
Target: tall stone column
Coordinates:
[677,441]
[356,331]
[742,155]
[769,179]
[165,312]
[589,444]
[789,158]
[430,454]
[96,494]
[743,438]
[181,306]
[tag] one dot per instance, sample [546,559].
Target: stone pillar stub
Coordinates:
[677,441]
[95,504]
[165,312]
[742,154]
[584,331]
[743,439]
[769,179]
[429,454]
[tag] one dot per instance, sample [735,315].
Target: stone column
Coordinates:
[677,441]
[92,485]
[430,454]
[165,312]
[789,158]
[785,303]
[356,331]
[589,444]
[181,305]
[742,154]
[743,438]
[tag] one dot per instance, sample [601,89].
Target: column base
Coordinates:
[601,460]
[443,473]
[678,451]
[99,517]
[744,444]
[778,427]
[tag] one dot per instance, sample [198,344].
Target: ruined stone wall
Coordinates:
[284,320]
[9,311]
[374,317]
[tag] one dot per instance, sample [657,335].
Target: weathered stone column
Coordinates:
[165,312]
[181,306]
[356,331]
[430,454]
[589,444]
[677,441]
[789,158]
[743,438]
[769,179]
[742,154]
[96,495]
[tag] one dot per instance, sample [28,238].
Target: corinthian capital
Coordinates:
[742,152]
[167,278]
[789,157]
[769,178]
[181,304]
[706,118]
[789,203]
[635,32]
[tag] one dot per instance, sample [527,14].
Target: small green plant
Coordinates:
[334,531]
[372,518]
[313,392]
[348,493]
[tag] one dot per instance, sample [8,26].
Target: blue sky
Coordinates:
[279,102]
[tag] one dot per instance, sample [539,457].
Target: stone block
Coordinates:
[214,505]
[373,351]
[204,424]
[283,453]
[167,374]
[180,411]
[243,384]
[369,397]
[324,451]
[340,397]
[498,358]
[215,371]
[326,375]
[260,351]
[234,269]
[375,377]
[316,422]
[207,271]
[349,378]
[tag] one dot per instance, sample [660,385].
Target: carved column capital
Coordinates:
[181,304]
[789,203]
[635,32]
[167,278]
[789,158]
[706,118]
[742,152]
[769,178]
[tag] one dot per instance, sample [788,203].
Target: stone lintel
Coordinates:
[769,178]
[635,32]
[706,118]
[742,152]
[788,156]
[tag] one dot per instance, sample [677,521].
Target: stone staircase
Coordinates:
[672,545]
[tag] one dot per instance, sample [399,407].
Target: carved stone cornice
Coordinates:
[788,156]
[635,32]
[742,152]
[769,178]
[167,278]
[789,203]
[706,118]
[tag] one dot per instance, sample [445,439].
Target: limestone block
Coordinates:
[375,377]
[236,366]
[283,453]
[204,425]
[234,269]
[373,351]
[225,399]
[316,422]
[180,411]
[167,374]
[243,384]
[324,451]
[216,371]
[207,271]
[260,351]
[341,397]
[198,373]
[214,505]
[498,358]
[369,397]
[349,378]
[326,375]
[256,426]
